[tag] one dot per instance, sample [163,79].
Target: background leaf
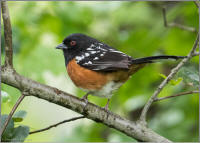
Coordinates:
[20,133]
[176,81]
[5,97]
[19,116]
[8,133]
[162,75]
[190,76]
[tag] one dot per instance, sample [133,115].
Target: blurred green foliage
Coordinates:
[19,116]
[135,28]
[12,134]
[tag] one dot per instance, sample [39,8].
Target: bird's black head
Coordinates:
[74,45]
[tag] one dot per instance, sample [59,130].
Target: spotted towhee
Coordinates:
[98,68]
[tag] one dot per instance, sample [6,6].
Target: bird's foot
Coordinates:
[107,106]
[85,99]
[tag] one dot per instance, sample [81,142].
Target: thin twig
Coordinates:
[166,80]
[187,28]
[12,112]
[55,125]
[195,54]
[176,95]
[173,24]
[7,35]
[164,16]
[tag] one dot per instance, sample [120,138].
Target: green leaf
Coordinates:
[190,75]
[162,75]
[172,82]
[176,82]
[5,97]
[8,133]
[19,116]
[20,133]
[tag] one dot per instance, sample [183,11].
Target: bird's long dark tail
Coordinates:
[153,59]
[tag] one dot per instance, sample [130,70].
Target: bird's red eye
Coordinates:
[73,43]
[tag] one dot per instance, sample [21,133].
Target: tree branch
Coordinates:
[7,35]
[173,24]
[166,80]
[57,124]
[176,95]
[11,113]
[90,111]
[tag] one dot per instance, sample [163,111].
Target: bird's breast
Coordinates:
[85,78]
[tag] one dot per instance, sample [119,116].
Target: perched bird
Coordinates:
[98,68]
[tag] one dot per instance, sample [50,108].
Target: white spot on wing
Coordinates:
[92,45]
[79,58]
[88,63]
[96,58]
[116,51]
[93,52]
[87,54]
[101,48]
[90,49]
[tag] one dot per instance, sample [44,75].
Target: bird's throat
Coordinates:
[68,57]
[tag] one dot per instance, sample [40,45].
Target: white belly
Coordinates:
[107,90]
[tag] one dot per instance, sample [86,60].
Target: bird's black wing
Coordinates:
[101,57]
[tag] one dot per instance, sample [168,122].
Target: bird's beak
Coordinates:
[61,46]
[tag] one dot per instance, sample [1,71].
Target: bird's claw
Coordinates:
[84,98]
[106,108]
